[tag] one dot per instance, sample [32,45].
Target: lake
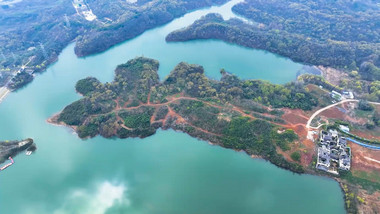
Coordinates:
[169,172]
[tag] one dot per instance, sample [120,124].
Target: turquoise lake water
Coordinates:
[169,172]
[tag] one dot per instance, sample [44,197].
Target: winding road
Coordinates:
[330,106]
[325,108]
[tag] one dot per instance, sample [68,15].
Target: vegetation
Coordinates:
[368,185]
[137,119]
[20,80]
[320,81]
[350,200]
[340,34]
[88,85]
[136,104]
[284,139]
[161,113]
[365,106]
[12,148]
[310,32]
[296,156]
[374,91]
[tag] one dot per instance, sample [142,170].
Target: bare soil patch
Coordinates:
[332,75]
[295,116]
[334,113]
[359,162]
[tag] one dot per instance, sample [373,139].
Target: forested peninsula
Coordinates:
[31,39]
[230,112]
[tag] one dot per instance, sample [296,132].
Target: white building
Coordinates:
[336,95]
[344,128]
[348,95]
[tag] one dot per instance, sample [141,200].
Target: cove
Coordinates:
[212,55]
[169,172]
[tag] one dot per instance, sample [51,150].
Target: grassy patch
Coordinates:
[373,176]
[363,114]
[366,184]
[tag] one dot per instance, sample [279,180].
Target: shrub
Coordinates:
[365,106]
[296,156]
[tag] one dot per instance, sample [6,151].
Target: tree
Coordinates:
[365,106]
[296,156]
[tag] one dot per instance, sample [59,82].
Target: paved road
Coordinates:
[4,91]
[325,108]
[330,106]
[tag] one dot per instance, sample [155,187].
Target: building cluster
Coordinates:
[83,8]
[341,96]
[333,153]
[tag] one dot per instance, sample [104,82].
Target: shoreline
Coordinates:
[53,121]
